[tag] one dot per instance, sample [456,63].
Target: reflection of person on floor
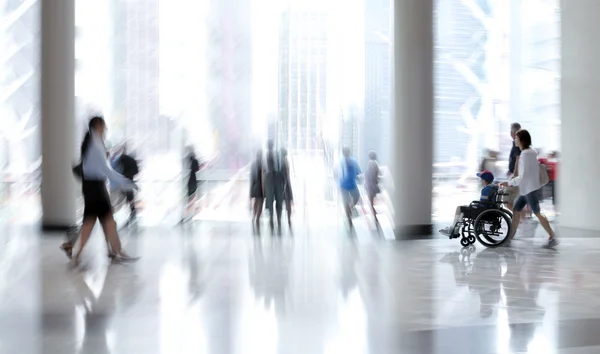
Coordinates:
[119,292]
[288,195]
[273,184]
[486,280]
[193,166]
[257,191]
[459,265]
[269,274]
[348,277]
[521,300]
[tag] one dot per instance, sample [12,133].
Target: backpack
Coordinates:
[78,171]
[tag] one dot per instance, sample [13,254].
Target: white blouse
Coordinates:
[96,166]
[528,179]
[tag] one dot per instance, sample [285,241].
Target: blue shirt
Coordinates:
[349,171]
[487,191]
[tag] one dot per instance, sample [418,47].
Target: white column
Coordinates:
[412,146]
[516,64]
[580,92]
[58,113]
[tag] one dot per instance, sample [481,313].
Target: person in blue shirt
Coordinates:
[488,190]
[349,172]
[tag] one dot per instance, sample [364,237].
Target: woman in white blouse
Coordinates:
[529,185]
[97,205]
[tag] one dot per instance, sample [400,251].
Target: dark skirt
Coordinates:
[96,200]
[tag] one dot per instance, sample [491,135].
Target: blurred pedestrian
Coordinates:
[273,184]
[193,167]
[257,190]
[95,173]
[529,183]
[489,162]
[551,163]
[513,163]
[372,176]
[288,195]
[126,165]
[349,172]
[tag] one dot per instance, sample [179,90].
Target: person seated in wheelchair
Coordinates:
[487,193]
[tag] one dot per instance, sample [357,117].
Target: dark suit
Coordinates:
[128,167]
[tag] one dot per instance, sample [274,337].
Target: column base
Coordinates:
[57,227]
[414,232]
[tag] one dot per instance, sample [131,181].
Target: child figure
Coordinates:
[487,178]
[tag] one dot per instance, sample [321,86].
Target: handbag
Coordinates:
[544,177]
[78,171]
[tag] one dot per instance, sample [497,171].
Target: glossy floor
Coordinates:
[214,288]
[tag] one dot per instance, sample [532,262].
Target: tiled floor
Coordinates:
[214,288]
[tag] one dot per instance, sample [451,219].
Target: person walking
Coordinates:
[488,163]
[513,163]
[257,191]
[288,195]
[529,183]
[273,185]
[126,165]
[372,176]
[95,173]
[551,164]
[193,166]
[350,170]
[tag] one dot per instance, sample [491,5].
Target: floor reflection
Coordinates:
[214,288]
[508,282]
[269,272]
[102,296]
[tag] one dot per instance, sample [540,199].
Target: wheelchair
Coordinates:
[488,222]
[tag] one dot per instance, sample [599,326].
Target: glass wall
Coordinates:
[224,76]
[20,159]
[497,62]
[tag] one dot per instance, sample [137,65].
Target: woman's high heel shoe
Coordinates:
[124,257]
[68,249]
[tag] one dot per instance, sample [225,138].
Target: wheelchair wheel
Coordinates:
[465,230]
[464,241]
[492,227]
[471,239]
